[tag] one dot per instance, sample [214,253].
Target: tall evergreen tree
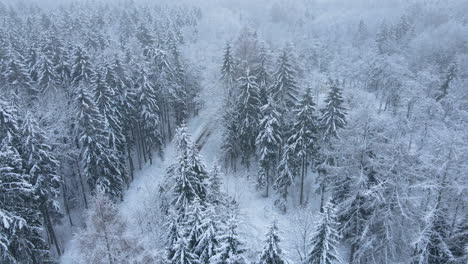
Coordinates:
[231,247]
[182,254]
[99,161]
[268,143]
[42,167]
[149,116]
[334,114]
[286,173]
[209,239]
[304,136]
[272,253]
[248,115]
[285,88]
[46,75]
[228,70]
[82,71]
[21,239]
[326,239]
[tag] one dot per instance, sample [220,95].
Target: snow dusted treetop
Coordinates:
[325,240]
[272,254]
[285,87]
[334,114]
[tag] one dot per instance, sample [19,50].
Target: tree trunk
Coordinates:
[82,185]
[130,161]
[301,197]
[50,228]
[267,183]
[65,202]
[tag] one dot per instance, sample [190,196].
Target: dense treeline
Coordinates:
[390,170]
[89,91]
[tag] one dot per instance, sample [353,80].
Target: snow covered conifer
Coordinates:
[182,254]
[209,239]
[272,253]
[17,76]
[99,161]
[188,173]
[149,115]
[41,165]
[228,70]
[81,68]
[268,142]
[248,115]
[46,74]
[285,88]
[286,174]
[326,239]
[194,224]
[214,194]
[8,120]
[304,136]
[231,247]
[334,114]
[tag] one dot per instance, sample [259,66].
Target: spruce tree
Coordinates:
[304,136]
[285,88]
[46,75]
[182,254]
[209,239]
[231,247]
[82,71]
[42,167]
[213,192]
[149,113]
[194,224]
[99,161]
[108,103]
[272,253]
[228,70]
[268,143]
[187,173]
[21,237]
[17,77]
[325,239]
[248,115]
[333,115]
[286,173]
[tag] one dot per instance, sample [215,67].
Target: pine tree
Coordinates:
[182,254]
[9,124]
[82,71]
[194,225]
[326,239]
[46,75]
[214,194]
[231,247]
[285,88]
[272,254]
[334,114]
[304,137]
[432,247]
[188,174]
[286,174]
[261,70]
[174,233]
[230,135]
[268,142]
[149,116]
[42,167]
[209,239]
[228,70]
[21,239]
[17,76]
[248,115]
[99,161]
[108,103]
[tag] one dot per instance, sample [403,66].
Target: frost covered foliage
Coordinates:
[293,103]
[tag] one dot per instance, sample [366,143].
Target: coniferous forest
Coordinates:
[234,132]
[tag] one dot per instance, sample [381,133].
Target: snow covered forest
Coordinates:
[234,131]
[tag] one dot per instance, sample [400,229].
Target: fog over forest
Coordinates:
[233,132]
